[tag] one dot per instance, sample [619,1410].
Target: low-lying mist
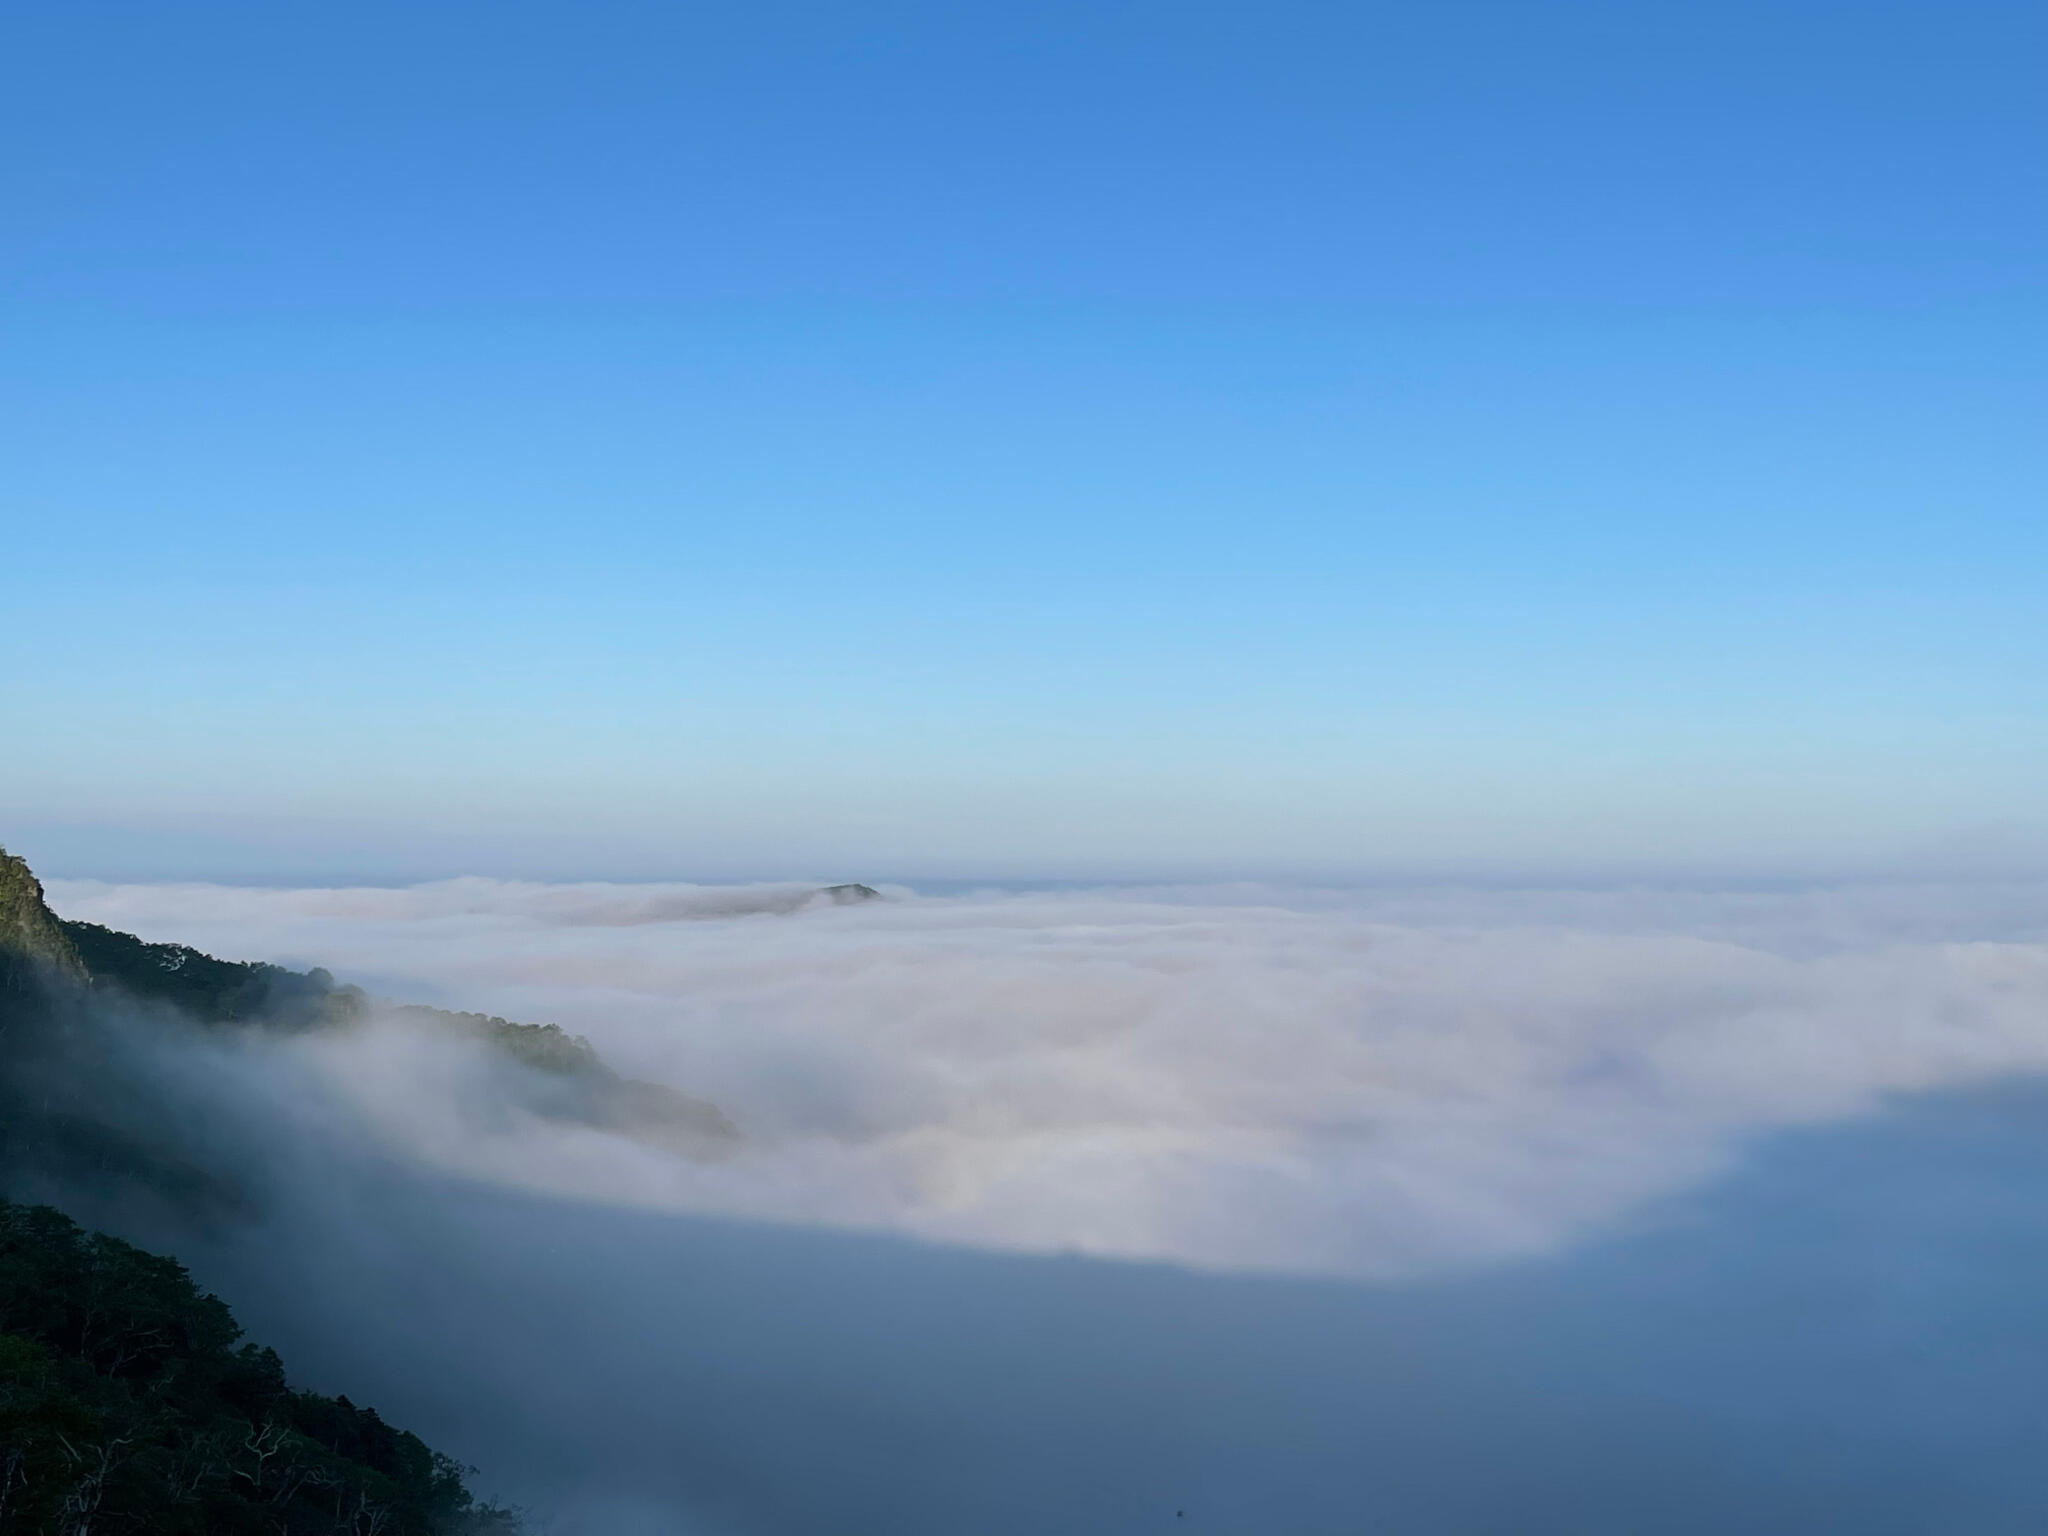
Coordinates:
[1451,1211]
[1235,1079]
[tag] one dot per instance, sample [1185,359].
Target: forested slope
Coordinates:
[130,1403]
[128,1400]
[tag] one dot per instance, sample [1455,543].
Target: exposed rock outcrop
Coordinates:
[33,943]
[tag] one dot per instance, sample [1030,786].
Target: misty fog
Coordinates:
[1236,1210]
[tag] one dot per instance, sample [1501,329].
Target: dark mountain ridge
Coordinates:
[128,1400]
[571,1082]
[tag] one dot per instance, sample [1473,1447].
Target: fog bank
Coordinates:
[1226,1210]
[1845,1335]
[1372,1084]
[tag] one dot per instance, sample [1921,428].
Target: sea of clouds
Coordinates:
[1371,1083]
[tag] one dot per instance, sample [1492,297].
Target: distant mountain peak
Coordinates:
[846,895]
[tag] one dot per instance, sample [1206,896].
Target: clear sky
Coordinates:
[914,440]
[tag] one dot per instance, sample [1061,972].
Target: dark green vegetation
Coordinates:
[129,1403]
[208,990]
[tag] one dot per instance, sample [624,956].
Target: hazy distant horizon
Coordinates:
[220,854]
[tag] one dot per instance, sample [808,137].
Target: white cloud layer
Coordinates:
[1323,1082]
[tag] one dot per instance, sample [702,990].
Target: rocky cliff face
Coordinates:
[32,942]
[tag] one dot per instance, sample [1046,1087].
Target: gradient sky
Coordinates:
[904,440]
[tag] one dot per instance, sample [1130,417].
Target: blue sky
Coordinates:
[1040,440]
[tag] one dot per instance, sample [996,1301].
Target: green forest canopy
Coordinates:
[129,1402]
